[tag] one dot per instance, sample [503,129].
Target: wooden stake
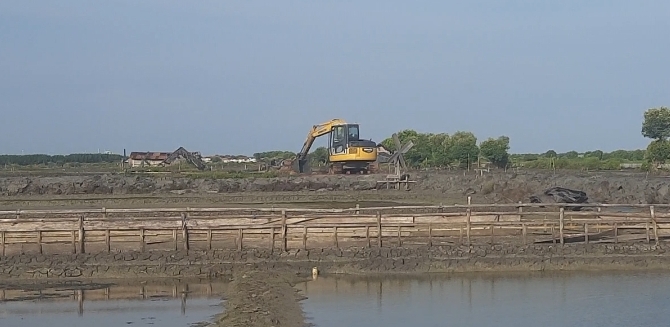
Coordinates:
[284,231]
[176,240]
[430,234]
[335,242]
[142,243]
[209,239]
[184,227]
[272,239]
[586,233]
[492,232]
[240,238]
[39,242]
[304,238]
[399,236]
[524,233]
[646,227]
[468,225]
[379,229]
[367,235]
[108,241]
[653,220]
[2,242]
[616,234]
[74,241]
[81,235]
[561,217]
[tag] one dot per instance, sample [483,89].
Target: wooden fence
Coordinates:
[118,230]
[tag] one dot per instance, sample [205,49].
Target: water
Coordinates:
[138,303]
[615,299]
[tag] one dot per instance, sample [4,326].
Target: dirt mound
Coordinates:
[493,187]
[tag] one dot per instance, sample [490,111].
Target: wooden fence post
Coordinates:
[184,228]
[240,238]
[399,236]
[284,241]
[81,235]
[646,227]
[175,239]
[561,218]
[335,241]
[430,234]
[586,233]
[39,241]
[142,243]
[209,239]
[653,221]
[367,235]
[616,233]
[524,233]
[468,226]
[379,229]
[2,242]
[304,238]
[108,241]
[272,239]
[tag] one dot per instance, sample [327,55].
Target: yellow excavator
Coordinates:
[347,152]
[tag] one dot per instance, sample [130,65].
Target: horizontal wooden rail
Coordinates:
[357,209]
[118,230]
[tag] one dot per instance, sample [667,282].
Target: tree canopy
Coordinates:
[656,123]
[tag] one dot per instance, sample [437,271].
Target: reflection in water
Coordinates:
[139,303]
[614,299]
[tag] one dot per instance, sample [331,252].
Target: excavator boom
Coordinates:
[316,131]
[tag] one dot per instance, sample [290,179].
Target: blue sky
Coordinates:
[249,76]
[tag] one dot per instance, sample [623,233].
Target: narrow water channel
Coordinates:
[168,303]
[548,300]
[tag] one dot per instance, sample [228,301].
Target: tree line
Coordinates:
[458,150]
[45,159]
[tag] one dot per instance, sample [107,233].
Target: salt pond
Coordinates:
[130,303]
[565,299]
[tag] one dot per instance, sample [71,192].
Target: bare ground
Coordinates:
[448,187]
[258,299]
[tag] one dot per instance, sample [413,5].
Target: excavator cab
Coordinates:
[347,152]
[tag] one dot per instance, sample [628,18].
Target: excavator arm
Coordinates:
[316,131]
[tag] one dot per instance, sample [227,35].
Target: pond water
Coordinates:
[567,299]
[136,303]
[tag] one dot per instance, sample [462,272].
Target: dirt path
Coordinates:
[265,299]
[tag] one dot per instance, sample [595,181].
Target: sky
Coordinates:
[238,77]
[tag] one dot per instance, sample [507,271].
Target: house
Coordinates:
[237,159]
[151,159]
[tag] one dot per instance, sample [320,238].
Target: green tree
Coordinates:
[658,152]
[463,149]
[496,150]
[319,155]
[550,154]
[656,123]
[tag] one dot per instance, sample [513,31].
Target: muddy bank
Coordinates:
[496,186]
[256,299]
[219,263]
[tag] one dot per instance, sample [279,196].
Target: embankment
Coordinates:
[440,186]
[351,260]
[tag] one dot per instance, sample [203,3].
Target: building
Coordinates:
[237,159]
[147,159]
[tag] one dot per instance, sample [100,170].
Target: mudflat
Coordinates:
[256,299]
